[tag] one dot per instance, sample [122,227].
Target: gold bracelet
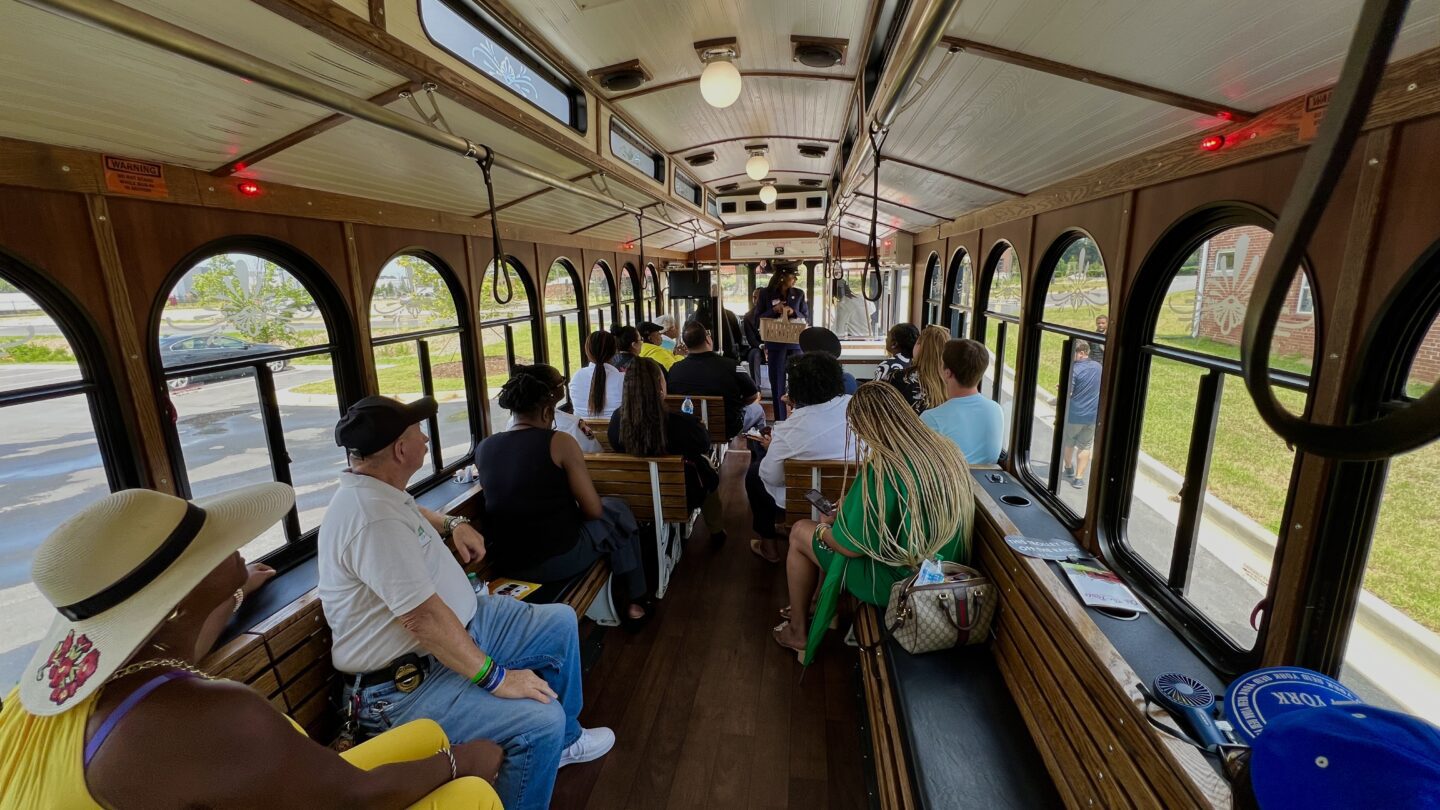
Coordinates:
[239,599]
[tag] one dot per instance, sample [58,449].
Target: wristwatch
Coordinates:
[451,521]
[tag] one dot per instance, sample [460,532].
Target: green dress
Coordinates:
[869,580]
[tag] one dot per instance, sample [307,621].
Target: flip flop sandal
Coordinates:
[775,634]
[755,549]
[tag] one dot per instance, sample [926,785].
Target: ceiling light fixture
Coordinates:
[768,194]
[758,166]
[720,81]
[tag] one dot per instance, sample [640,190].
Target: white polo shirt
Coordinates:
[812,433]
[379,559]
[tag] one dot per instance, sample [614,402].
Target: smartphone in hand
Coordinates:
[821,503]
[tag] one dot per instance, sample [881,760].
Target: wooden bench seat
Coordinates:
[709,410]
[654,489]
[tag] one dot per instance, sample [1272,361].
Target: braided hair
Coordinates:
[531,390]
[927,361]
[642,412]
[927,470]
[599,347]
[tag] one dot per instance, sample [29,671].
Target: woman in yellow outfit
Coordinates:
[113,712]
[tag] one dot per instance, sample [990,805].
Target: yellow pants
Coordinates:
[417,740]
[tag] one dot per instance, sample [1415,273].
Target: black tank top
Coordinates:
[530,514]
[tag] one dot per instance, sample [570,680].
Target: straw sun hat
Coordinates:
[117,569]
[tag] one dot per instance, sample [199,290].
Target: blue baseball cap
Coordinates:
[1346,757]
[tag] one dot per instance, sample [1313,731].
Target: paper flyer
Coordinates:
[517,588]
[1100,588]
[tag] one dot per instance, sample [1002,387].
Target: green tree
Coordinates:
[260,308]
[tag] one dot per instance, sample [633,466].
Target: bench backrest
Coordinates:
[601,429]
[709,410]
[645,484]
[801,476]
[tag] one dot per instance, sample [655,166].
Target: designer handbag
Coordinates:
[955,611]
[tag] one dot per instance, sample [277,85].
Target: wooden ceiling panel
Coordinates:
[679,117]
[1247,54]
[917,188]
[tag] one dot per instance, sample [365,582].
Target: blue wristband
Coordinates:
[492,681]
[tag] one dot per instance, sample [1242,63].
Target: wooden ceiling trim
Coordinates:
[884,201]
[325,124]
[1407,91]
[377,13]
[1105,80]
[757,138]
[532,195]
[958,177]
[804,75]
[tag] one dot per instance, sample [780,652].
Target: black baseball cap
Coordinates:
[647,329]
[819,339]
[374,423]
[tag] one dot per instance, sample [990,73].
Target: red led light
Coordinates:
[248,188]
[1225,115]
[1211,143]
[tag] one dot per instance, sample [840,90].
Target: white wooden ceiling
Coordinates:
[1007,127]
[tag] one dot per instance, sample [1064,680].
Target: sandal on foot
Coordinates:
[758,551]
[775,634]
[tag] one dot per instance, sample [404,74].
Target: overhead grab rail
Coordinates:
[1400,430]
[127,22]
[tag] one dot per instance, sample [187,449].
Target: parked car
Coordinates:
[179,350]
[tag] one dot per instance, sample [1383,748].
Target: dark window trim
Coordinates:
[635,303]
[527,282]
[957,312]
[109,415]
[439,467]
[1355,490]
[1031,343]
[581,321]
[1119,446]
[517,48]
[698,200]
[625,133]
[931,308]
[658,297]
[343,348]
[1004,324]
[613,306]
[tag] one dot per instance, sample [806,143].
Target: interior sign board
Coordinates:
[139,178]
[1314,112]
[801,248]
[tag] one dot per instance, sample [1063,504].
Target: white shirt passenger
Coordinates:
[380,558]
[580,391]
[812,433]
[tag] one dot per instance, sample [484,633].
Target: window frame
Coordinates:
[931,309]
[631,306]
[440,470]
[958,314]
[579,310]
[516,48]
[697,199]
[1305,299]
[536,321]
[1032,335]
[618,129]
[343,348]
[1119,447]
[613,305]
[657,295]
[1004,321]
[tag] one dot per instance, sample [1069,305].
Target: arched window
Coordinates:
[1397,574]
[957,296]
[508,333]
[564,319]
[630,294]
[600,299]
[932,309]
[656,299]
[249,355]
[421,349]
[62,447]
[998,327]
[1063,387]
[1208,482]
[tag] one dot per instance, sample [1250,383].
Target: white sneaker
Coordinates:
[592,744]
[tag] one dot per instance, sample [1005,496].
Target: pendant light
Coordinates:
[758,166]
[720,80]
[768,194]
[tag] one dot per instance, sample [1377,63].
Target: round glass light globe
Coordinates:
[768,194]
[757,167]
[720,83]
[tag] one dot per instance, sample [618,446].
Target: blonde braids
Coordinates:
[928,471]
[929,359]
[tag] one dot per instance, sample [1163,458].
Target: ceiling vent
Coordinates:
[727,187]
[811,182]
[818,52]
[621,78]
[701,158]
[813,150]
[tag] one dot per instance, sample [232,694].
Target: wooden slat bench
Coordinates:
[601,429]
[830,477]
[654,489]
[709,410]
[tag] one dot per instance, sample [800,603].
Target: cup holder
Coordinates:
[1015,500]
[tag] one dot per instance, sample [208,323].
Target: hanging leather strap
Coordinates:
[501,261]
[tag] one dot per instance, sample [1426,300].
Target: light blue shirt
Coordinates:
[974,423]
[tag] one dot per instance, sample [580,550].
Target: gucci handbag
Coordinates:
[955,611]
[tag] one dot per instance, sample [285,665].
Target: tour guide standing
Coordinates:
[412,638]
[781,298]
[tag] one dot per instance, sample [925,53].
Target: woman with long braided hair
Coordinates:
[912,499]
[921,383]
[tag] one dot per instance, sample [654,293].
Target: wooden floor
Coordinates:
[708,711]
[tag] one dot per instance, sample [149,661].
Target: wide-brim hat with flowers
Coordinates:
[117,569]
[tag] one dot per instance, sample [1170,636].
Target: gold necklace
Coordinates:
[173,663]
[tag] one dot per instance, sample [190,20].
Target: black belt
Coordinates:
[407,673]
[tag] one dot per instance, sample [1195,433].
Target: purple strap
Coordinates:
[93,747]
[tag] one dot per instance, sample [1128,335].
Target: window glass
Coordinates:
[1391,659]
[1224,572]
[653,283]
[934,291]
[215,387]
[1005,284]
[507,334]
[629,303]
[628,147]
[598,296]
[411,296]
[959,295]
[711,206]
[1002,313]
[564,326]
[50,464]
[687,188]
[484,50]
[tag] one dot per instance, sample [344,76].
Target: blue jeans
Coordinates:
[517,635]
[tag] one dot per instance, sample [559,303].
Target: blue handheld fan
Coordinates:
[1192,703]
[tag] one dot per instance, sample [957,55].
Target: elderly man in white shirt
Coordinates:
[815,431]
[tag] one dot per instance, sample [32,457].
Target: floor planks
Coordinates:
[707,710]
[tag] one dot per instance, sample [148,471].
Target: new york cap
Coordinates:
[374,423]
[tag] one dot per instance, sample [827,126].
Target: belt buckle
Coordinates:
[408,677]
